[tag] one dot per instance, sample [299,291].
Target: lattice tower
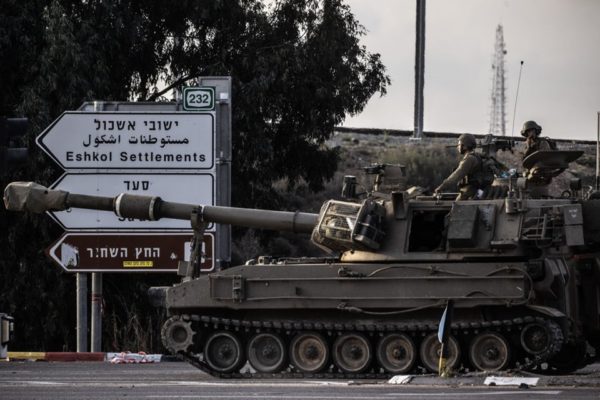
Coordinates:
[498,107]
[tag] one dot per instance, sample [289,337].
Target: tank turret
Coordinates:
[523,275]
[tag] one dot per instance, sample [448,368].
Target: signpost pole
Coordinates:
[82,324]
[96,312]
[96,300]
[224,181]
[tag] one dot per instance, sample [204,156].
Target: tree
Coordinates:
[297,67]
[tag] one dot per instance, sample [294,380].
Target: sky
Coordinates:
[558,41]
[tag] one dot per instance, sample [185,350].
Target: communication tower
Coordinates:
[498,107]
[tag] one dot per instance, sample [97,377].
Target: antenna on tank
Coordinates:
[516,98]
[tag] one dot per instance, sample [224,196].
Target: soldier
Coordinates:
[537,183]
[533,142]
[469,175]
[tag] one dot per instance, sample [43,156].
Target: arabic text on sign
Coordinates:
[134,139]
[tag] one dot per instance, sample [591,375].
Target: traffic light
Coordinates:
[10,130]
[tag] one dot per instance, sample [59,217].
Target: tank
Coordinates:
[523,275]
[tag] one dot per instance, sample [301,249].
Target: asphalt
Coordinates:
[588,376]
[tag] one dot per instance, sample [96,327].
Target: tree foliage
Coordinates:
[297,68]
[426,166]
[297,71]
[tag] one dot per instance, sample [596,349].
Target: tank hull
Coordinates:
[381,318]
[338,286]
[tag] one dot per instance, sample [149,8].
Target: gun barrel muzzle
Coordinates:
[33,197]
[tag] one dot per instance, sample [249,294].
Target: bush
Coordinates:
[427,165]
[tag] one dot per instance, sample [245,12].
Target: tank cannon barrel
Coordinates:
[30,196]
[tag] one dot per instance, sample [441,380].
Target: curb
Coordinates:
[123,357]
[56,356]
[26,355]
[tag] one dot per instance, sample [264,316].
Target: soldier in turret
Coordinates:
[537,183]
[468,176]
[533,142]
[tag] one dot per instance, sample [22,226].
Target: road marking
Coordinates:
[112,383]
[96,383]
[38,383]
[263,396]
[364,397]
[480,393]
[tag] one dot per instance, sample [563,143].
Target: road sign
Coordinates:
[180,188]
[125,140]
[126,251]
[199,98]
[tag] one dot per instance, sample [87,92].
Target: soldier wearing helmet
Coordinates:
[537,183]
[468,175]
[533,142]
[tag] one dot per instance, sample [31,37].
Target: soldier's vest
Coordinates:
[536,146]
[483,175]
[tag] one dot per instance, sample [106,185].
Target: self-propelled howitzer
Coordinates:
[523,275]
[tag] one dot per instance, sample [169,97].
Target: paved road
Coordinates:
[175,380]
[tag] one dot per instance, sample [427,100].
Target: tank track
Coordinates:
[459,330]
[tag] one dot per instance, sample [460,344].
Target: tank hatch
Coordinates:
[471,226]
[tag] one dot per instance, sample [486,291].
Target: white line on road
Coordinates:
[370,397]
[181,384]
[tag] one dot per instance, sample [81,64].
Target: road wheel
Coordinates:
[396,353]
[309,352]
[223,352]
[430,352]
[266,352]
[489,352]
[352,352]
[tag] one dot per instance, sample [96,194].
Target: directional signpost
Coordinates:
[166,154]
[125,141]
[107,148]
[177,187]
[119,252]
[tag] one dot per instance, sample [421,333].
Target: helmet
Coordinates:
[468,141]
[530,125]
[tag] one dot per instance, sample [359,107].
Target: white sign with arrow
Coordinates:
[180,188]
[123,140]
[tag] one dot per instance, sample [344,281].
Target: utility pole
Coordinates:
[419,69]
[498,106]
